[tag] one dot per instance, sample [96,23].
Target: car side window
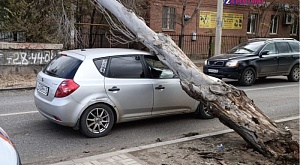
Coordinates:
[101,65]
[271,48]
[295,46]
[158,69]
[283,47]
[125,67]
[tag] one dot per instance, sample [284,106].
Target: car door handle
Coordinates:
[114,88]
[159,87]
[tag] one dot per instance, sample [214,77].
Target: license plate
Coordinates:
[213,70]
[42,89]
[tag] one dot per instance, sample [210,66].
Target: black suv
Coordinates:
[257,58]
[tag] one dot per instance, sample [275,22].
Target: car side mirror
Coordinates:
[265,52]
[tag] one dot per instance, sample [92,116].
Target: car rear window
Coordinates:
[62,66]
[295,46]
[283,47]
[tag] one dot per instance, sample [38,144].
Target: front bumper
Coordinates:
[222,72]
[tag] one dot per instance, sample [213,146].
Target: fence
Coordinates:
[202,46]
[13,36]
[195,46]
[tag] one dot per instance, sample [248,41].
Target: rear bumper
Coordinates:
[63,111]
[232,73]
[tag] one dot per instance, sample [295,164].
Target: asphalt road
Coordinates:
[40,141]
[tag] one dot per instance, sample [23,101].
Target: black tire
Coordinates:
[202,112]
[248,77]
[294,74]
[97,120]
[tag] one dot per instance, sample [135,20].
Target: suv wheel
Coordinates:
[294,74]
[248,77]
[202,112]
[97,120]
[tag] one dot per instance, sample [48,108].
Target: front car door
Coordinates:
[127,86]
[267,64]
[168,94]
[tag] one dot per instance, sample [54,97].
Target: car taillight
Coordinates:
[66,88]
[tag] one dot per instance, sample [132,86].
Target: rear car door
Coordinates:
[127,86]
[168,94]
[285,57]
[267,64]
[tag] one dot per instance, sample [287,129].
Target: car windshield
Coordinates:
[246,48]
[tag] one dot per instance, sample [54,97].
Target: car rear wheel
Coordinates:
[294,74]
[97,120]
[202,112]
[248,77]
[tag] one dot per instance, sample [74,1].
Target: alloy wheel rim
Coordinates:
[249,76]
[97,120]
[296,73]
[206,111]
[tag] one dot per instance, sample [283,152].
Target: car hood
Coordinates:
[230,56]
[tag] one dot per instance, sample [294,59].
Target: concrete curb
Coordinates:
[16,88]
[159,144]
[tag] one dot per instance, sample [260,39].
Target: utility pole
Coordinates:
[219,25]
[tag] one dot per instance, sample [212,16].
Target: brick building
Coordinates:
[272,18]
[251,20]
[240,23]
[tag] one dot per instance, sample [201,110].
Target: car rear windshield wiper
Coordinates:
[51,73]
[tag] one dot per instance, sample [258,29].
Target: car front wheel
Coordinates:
[202,112]
[248,77]
[97,120]
[294,74]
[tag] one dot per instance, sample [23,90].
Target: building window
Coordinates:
[274,24]
[251,26]
[294,28]
[168,18]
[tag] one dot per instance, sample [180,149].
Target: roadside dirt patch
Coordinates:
[17,80]
[207,151]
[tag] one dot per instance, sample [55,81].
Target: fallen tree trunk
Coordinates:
[229,104]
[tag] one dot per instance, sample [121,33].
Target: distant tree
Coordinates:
[31,17]
[262,10]
[185,18]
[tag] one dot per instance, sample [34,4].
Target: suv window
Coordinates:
[283,47]
[295,46]
[271,48]
[125,67]
[158,69]
[62,66]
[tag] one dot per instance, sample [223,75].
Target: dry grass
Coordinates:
[17,80]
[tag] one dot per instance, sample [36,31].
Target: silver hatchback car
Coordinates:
[92,89]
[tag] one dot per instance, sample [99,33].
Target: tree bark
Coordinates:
[229,104]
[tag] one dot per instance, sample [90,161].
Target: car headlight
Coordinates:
[232,63]
[205,62]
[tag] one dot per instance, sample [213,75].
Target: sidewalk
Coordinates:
[126,156]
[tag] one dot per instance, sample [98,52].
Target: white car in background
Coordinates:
[8,153]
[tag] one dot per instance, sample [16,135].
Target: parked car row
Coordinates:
[92,89]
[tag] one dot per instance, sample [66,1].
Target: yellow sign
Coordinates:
[230,20]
